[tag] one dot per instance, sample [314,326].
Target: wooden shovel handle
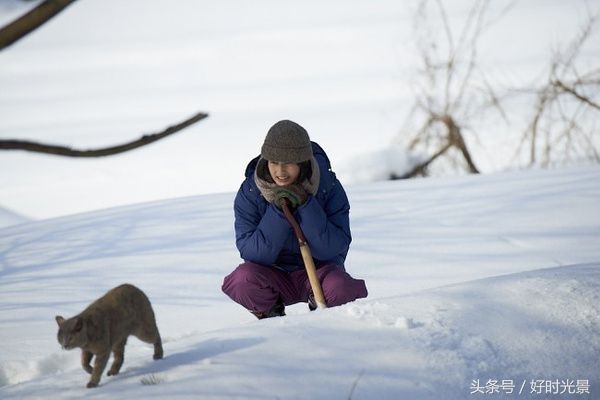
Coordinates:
[309,264]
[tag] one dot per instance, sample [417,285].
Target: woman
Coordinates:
[272,276]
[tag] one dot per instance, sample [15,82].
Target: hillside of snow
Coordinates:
[479,287]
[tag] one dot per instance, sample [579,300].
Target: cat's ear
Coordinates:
[60,320]
[78,325]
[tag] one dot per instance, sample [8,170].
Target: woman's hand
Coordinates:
[295,194]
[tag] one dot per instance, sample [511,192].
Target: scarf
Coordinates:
[311,185]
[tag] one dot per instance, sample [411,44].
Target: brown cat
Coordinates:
[104,327]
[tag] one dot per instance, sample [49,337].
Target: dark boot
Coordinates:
[278,310]
[312,303]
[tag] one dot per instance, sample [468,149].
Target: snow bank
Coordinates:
[521,330]
[471,280]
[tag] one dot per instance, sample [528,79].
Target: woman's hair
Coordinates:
[262,170]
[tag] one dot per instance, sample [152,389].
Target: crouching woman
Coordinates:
[272,275]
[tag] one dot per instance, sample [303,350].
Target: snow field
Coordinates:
[472,278]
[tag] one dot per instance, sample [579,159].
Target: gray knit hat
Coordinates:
[287,141]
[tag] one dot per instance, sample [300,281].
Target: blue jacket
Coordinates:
[264,236]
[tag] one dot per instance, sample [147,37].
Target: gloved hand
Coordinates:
[294,194]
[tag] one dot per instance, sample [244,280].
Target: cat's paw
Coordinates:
[158,351]
[91,385]
[112,372]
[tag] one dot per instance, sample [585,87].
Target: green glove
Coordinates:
[294,194]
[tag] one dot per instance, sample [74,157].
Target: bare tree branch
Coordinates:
[446,92]
[108,151]
[420,168]
[31,21]
[456,139]
[476,18]
[557,131]
[558,83]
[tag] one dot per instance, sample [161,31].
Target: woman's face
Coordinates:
[284,173]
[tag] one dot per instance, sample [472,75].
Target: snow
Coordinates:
[379,165]
[470,279]
[8,217]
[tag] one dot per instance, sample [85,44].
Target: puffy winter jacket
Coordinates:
[264,236]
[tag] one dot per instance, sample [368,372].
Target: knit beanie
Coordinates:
[287,142]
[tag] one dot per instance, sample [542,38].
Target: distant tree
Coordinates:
[447,94]
[568,98]
[451,91]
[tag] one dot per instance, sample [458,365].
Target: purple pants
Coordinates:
[258,288]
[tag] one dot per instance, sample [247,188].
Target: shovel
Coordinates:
[309,263]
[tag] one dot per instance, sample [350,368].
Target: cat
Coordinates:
[104,327]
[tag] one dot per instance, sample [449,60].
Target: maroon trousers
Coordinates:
[258,288]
